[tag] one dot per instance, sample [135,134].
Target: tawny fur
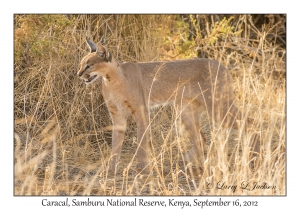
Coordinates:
[133,88]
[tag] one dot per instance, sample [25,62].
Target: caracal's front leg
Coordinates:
[118,132]
[141,119]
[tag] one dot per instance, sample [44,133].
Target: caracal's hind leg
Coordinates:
[190,117]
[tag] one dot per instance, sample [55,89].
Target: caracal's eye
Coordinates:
[88,66]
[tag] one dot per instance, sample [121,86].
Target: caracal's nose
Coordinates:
[79,73]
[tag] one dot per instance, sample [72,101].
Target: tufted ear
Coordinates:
[103,52]
[92,45]
[108,56]
[100,48]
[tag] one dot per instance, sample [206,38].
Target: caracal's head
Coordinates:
[95,64]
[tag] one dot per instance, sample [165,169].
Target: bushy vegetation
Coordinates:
[60,140]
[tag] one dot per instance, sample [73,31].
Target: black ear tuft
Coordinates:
[108,56]
[92,45]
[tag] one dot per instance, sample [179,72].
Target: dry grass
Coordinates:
[61,146]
